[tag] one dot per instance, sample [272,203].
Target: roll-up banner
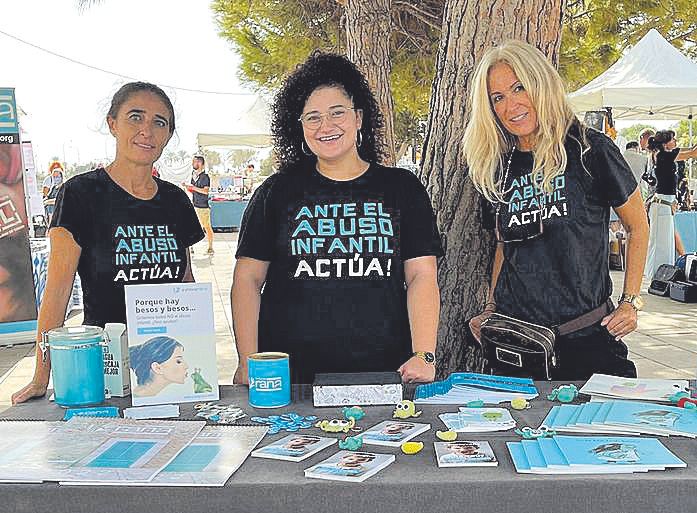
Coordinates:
[17,297]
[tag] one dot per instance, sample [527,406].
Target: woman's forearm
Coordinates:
[245,299]
[423,307]
[637,248]
[495,271]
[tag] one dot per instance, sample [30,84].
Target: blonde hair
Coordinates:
[486,141]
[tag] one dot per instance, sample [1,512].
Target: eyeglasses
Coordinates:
[335,115]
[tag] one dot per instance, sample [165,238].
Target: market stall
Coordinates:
[411,484]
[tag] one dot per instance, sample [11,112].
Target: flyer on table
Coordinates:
[171,341]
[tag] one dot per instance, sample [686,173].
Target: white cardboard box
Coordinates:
[357,389]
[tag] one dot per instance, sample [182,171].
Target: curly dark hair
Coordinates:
[322,70]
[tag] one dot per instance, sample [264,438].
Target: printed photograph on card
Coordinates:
[171,343]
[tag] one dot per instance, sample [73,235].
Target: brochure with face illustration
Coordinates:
[393,433]
[350,466]
[296,447]
[464,453]
[171,340]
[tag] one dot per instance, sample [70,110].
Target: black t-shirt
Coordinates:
[562,273]
[665,171]
[335,297]
[124,240]
[203,180]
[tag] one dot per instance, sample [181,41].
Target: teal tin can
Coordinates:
[269,380]
[77,364]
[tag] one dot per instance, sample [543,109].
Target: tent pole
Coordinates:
[689,124]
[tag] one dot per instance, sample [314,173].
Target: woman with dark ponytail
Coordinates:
[662,207]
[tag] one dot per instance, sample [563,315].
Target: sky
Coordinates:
[167,42]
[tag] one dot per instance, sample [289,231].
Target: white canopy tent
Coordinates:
[251,129]
[652,80]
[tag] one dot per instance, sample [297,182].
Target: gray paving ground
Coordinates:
[665,345]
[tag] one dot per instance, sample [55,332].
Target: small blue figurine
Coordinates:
[354,411]
[564,394]
[287,422]
[351,443]
[531,434]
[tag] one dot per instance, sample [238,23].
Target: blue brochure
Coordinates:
[640,453]
[654,417]
[520,462]
[551,453]
[98,411]
[484,382]
[588,411]
[551,417]
[533,454]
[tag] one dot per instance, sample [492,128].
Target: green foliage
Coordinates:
[236,159]
[631,133]
[273,36]
[596,32]
[682,133]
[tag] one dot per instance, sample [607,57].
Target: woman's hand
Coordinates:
[416,370]
[622,321]
[476,322]
[241,376]
[33,389]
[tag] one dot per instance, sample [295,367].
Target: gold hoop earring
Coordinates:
[303,147]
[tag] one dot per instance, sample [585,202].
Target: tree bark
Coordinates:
[368,29]
[469,28]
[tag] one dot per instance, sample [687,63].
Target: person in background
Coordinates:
[50,187]
[118,225]
[663,239]
[636,160]
[551,261]
[199,188]
[343,247]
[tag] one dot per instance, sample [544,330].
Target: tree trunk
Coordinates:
[469,28]
[368,29]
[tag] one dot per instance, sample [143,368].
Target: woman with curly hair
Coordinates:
[344,248]
[552,182]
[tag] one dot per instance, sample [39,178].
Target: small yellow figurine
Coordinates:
[336,425]
[405,409]
[412,447]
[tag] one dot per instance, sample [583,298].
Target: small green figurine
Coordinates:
[201,386]
[354,411]
[351,443]
[564,394]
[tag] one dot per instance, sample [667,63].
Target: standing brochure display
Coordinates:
[17,300]
[171,340]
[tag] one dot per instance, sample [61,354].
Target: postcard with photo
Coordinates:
[350,466]
[295,447]
[393,433]
[465,454]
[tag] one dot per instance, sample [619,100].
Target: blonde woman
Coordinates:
[551,183]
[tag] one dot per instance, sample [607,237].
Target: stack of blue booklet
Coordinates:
[591,455]
[631,417]
[463,387]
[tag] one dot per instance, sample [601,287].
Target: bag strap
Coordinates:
[585,320]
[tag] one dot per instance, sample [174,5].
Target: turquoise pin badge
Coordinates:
[564,394]
[351,443]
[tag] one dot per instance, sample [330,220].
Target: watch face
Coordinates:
[638,303]
[429,357]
